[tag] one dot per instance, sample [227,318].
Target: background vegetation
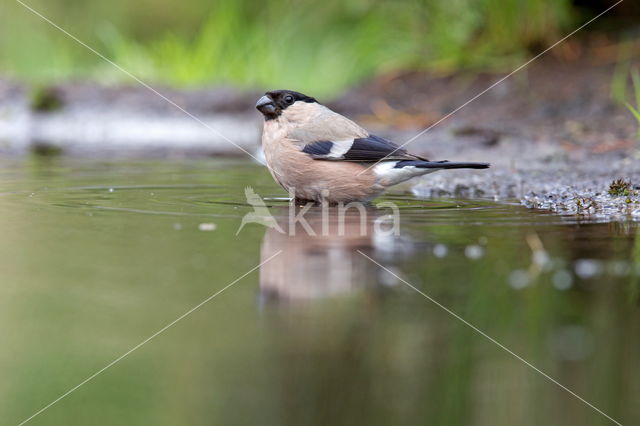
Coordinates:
[274,43]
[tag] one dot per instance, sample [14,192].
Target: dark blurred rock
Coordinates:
[46,99]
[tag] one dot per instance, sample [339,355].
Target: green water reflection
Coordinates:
[97,256]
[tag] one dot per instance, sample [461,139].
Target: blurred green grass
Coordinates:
[634,107]
[625,84]
[321,48]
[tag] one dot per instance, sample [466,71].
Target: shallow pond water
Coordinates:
[339,328]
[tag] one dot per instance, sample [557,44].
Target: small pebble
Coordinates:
[519,279]
[542,259]
[207,227]
[588,268]
[562,279]
[440,250]
[474,252]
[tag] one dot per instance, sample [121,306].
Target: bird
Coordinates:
[321,156]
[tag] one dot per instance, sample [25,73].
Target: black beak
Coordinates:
[265,105]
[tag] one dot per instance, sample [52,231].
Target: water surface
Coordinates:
[95,257]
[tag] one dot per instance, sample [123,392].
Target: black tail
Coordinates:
[441,165]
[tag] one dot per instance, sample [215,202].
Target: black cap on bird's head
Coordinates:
[273,103]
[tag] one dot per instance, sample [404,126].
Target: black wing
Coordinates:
[370,149]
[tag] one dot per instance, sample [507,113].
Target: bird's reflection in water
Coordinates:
[321,254]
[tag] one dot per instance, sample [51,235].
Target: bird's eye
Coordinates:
[288,99]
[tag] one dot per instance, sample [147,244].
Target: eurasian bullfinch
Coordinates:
[319,155]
